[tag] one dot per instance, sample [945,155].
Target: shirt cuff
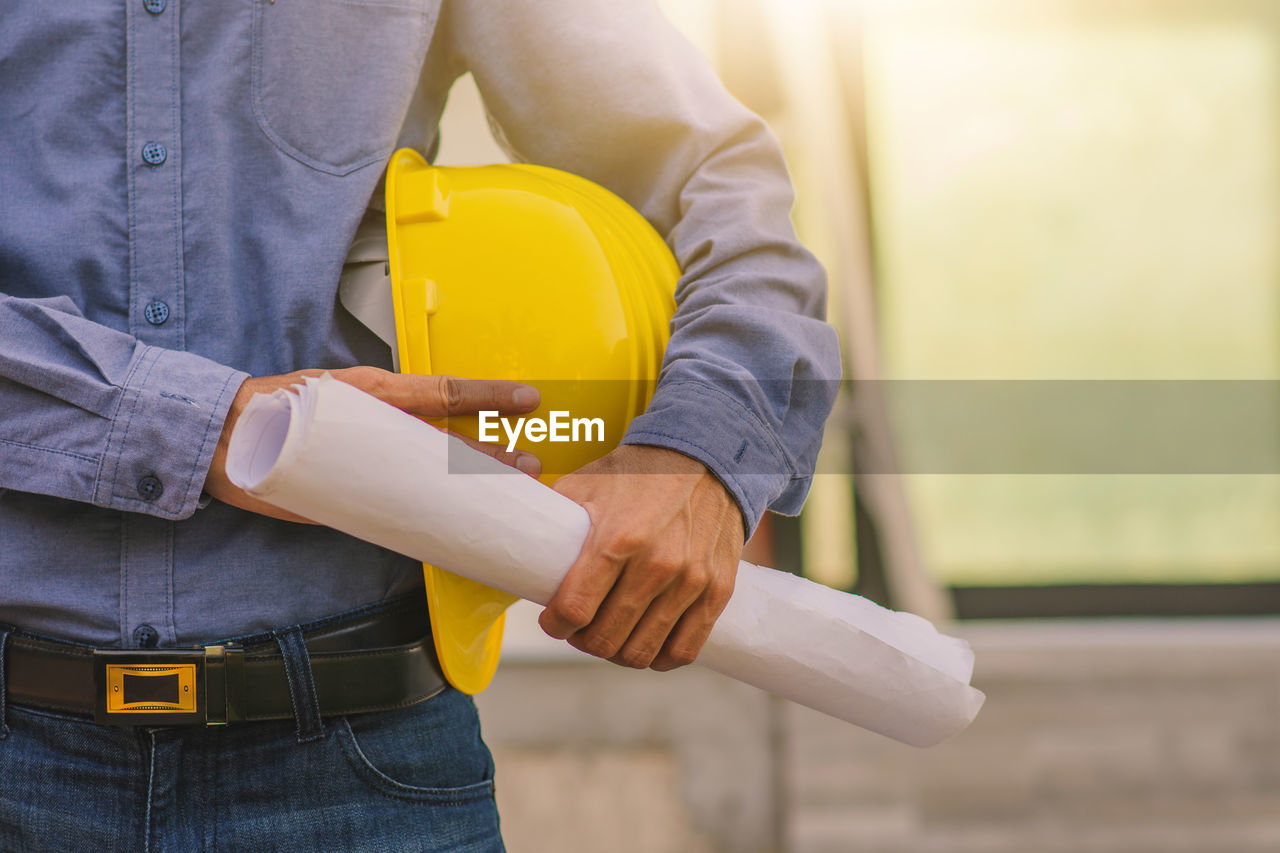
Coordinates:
[715,428]
[164,434]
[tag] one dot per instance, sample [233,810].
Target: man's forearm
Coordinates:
[620,97]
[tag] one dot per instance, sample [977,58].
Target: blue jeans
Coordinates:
[415,779]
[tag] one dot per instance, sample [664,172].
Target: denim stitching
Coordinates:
[128,423]
[136,394]
[175,180]
[131,174]
[302,685]
[105,461]
[211,785]
[24,446]
[151,784]
[389,787]
[4,711]
[124,581]
[170,619]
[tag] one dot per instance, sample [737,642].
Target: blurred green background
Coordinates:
[1080,190]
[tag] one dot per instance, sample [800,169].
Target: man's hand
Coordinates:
[658,565]
[424,396]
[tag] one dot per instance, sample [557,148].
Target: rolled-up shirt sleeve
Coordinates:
[611,91]
[91,414]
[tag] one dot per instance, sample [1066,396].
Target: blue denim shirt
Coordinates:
[180,184]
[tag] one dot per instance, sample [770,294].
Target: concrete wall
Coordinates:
[1104,737]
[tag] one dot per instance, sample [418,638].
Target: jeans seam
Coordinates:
[211,783]
[151,784]
[4,695]
[387,786]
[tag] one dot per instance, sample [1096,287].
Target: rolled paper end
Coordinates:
[259,442]
[850,658]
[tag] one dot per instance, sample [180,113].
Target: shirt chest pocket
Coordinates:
[332,79]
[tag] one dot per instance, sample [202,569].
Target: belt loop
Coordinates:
[4,689]
[302,685]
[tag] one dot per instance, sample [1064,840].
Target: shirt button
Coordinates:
[156,312]
[150,488]
[155,7]
[154,153]
[145,637]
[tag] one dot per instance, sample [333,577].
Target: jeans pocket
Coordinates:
[332,79]
[430,751]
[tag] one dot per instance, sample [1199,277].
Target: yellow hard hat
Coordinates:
[528,273]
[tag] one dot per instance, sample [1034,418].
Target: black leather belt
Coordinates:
[372,661]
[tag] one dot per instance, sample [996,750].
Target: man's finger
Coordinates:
[639,588]
[651,583]
[584,587]
[649,636]
[442,396]
[690,634]
[436,396]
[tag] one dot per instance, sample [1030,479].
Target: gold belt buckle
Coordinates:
[168,687]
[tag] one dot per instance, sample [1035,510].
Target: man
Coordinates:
[181,182]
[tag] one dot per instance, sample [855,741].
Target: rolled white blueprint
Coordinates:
[340,457]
